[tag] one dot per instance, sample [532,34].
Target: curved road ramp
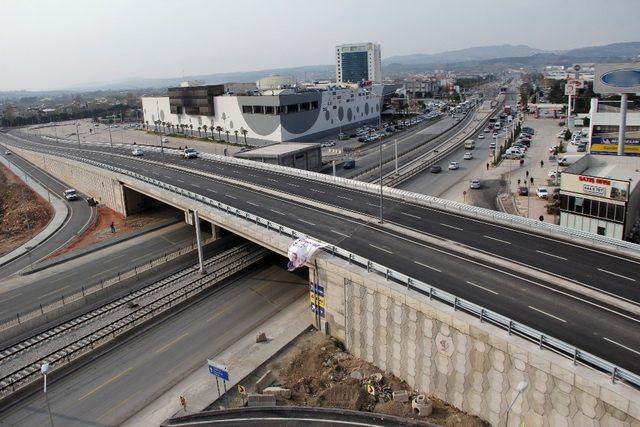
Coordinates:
[289,416]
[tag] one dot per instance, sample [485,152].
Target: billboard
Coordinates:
[605,188]
[604,140]
[617,78]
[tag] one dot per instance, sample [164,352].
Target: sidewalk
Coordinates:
[61,211]
[199,388]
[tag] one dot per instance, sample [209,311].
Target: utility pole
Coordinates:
[78,135]
[396,149]
[196,223]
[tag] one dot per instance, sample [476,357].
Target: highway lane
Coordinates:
[598,269]
[80,217]
[114,386]
[26,293]
[589,325]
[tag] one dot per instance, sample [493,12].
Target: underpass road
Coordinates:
[109,389]
[585,323]
[79,219]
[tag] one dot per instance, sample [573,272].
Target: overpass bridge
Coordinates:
[572,293]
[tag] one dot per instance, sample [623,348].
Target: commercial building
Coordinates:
[298,113]
[601,195]
[293,155]
[604,124]
[358,62]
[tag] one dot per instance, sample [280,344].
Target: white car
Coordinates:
[474,184]
[492,144]
[554,174]
[137,152]
[543,193]
[189,153]
[481,136]
[165,140]
[468,156]
[454,166]
[71,194]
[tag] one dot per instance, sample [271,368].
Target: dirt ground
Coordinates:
[320,373]
[23,213]
[100,230]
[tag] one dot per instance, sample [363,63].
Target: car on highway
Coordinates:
[495,134]
[542,192]
[487,130]
[435,169]
[137,152]
[481,136]
[70,194]
[189,153]
[453,166]
[467,156]
[349,164]
[474,183]
[492,144]
[523,191]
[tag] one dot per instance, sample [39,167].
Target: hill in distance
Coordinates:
[463,55]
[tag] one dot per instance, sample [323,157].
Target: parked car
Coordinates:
[165,140]
[435,169]
[7,153]
[467,156]
[474,184]
[137,152]
[71,194]
[487,130]
[523,191]
[542,192]
[481,136]
[492,144]
[581,148]
[528,130]
[554,174]
[454,166]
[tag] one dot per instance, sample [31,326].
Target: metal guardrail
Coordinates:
[496,319]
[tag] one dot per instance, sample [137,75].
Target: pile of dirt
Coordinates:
[23,213]
[320,373]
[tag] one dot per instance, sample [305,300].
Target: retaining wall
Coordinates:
[472,365]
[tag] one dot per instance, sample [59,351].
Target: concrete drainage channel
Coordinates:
[70,341]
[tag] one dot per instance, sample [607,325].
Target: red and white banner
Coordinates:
[301,251]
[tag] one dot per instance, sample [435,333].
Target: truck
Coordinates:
[469,144]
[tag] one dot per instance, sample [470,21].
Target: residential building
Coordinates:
[357,62]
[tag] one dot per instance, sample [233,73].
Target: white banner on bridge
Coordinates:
[301,251]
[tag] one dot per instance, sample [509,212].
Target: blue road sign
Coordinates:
[218,370]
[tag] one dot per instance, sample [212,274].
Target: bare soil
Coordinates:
[320,373]
[23,213]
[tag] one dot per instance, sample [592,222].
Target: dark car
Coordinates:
[528,130]
[581,148]
[435,169]
[362,139]
[349,164]
[523,191]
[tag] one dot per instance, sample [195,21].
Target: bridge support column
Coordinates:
[196,222]
[216,232]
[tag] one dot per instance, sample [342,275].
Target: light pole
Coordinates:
[110,139]
[44,370]
[520,388]
[381,218]
[78,135]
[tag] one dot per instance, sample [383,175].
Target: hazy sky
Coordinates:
[52,44]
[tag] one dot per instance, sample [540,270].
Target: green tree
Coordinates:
[219,129]
[236,133]
[227,132]
[244,132]
[205,127]
[199,129]
[191,129]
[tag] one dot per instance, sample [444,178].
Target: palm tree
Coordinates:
[204,127]
[147,124]
[182,126]
[191,127]
[164,129]
[227,132]
[236,132]
[244,132]
[199,129]
[219,129]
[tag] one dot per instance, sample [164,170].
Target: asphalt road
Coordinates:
[116,385]
[26,293]
[588,324]
[79,218]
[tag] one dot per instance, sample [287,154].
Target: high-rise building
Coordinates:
[358,61]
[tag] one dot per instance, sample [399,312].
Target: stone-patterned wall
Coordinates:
[85,178]
[472,365]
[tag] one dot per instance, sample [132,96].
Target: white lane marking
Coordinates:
[231,197]
[623,346]
[253,204]
[197,186]
[497,240]
[547,314]
[374,205]
[552,255]
[255,176]
[179,180]
[482,287]
[278,212]
[616,274]
[451,226]
[337,232]
[345,198]
[271,179]
[412,216]
[380,249]
[294,185]
[317,191]
[306,222]
[428,266]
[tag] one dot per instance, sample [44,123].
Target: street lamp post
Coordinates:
[520,388]
[44,370]
[78,135]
